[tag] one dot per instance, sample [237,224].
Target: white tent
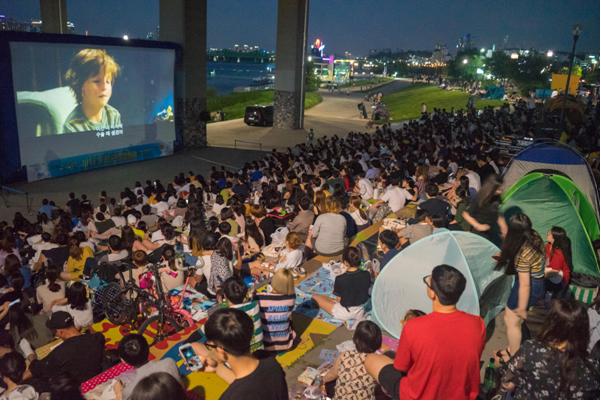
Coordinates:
[400,287]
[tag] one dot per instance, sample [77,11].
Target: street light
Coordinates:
[464,61]
[125,37]
[575,36]
[550,53]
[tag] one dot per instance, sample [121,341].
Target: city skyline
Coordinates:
[354,25]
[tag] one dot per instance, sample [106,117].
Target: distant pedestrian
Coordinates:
[310,136]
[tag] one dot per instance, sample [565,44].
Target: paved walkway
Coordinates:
[337,114]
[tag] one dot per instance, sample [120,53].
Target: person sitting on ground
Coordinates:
[77,304]
[303,219]
[76,262]
[389,243]
[29,327]
[51,289]
[291,257]
[171,271]
[555,365]
[133,350]
[438,356]
[12,369]
[395,196]
[414,232]
[329,230]
[140,267]
[158,386]
[116,251]
[352,380]
[236,296]
[558,266]
[227,352]
[434,204]
[275,308]
[79,354]
[222,266]
[351,290]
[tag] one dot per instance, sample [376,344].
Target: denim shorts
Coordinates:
[537,291]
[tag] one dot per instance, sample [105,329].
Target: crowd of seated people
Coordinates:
[437,173]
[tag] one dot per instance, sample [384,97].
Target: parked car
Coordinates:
[259,115]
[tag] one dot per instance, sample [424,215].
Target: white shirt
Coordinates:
[396,197]
[160,207]
[119,221]
[474,179]
[82,318]
[292,258]
[366,189]
[217,208]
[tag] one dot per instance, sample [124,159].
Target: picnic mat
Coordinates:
[321,282]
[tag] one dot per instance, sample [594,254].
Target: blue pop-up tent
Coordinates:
[400,287]
[552,157]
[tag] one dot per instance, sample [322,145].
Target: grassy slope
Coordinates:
[406,103]
[234,104]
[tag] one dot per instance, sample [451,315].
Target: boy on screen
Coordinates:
[90,76]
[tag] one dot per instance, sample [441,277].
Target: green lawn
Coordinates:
[358,82]
[234,104]
[406,104]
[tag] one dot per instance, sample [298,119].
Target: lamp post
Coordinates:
[575,36]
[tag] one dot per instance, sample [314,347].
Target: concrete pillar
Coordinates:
[185,22]
[54,16]
[290,63]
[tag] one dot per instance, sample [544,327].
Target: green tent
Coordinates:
[554,200]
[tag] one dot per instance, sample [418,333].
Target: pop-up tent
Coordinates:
[400,287]
[554,158]
[554,200]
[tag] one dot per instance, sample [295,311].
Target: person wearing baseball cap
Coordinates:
[79,355]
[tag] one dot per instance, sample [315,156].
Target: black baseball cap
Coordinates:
[60,320]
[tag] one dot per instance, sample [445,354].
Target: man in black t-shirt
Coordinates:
[79,355]
[434,205]
[227,352]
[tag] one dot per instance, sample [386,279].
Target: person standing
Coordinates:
[522,255]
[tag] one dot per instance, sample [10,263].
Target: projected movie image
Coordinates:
[82,106]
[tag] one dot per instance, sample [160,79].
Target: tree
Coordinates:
[312,81]
[501,65]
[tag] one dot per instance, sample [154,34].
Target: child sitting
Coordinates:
[235,293]
[352,380]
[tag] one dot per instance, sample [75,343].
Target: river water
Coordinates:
[224,77]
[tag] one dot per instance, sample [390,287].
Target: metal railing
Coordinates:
[5,191]
[237,141]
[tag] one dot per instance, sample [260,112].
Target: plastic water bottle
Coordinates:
[490,379]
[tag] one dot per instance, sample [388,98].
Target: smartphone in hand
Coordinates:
[190,357]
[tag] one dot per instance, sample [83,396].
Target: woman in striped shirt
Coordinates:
[276,310]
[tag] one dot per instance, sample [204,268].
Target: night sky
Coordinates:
[355,25]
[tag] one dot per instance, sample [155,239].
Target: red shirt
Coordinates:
[441,354]
[557,261]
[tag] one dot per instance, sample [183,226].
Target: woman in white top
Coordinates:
[357,213]
[77,304]
[172,274]
[291,257]
[51,290]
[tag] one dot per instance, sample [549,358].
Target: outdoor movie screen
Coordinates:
[74,101]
